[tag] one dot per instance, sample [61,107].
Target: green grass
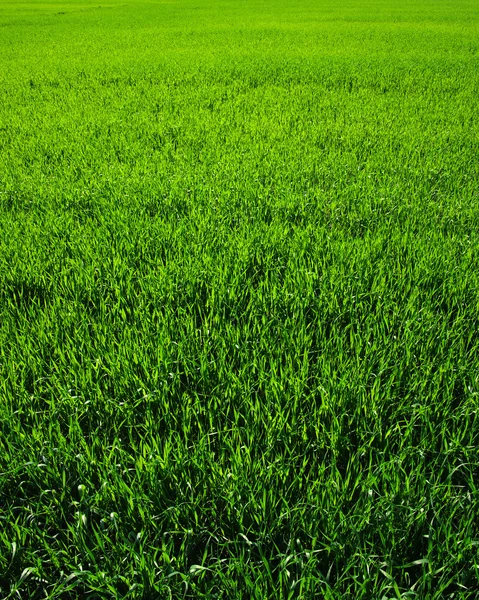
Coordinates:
[239,299]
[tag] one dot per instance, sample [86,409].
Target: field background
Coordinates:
[239,296]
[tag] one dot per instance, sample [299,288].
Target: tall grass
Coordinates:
[239,346]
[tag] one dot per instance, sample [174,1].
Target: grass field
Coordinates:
[239,299]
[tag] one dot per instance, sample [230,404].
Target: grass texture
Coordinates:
[239,298]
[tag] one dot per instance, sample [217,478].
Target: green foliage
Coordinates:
[239,299]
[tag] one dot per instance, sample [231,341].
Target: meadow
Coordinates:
[239,299]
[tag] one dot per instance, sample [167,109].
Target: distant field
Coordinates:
[239,299]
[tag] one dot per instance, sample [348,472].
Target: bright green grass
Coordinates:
[239,299]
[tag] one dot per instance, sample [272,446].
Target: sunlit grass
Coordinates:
[239,300]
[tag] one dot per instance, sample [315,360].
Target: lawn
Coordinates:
[239,299]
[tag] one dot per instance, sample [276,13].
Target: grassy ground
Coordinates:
[239,298]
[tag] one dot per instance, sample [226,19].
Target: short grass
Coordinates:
[239,299]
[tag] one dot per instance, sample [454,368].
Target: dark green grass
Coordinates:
[239,297]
